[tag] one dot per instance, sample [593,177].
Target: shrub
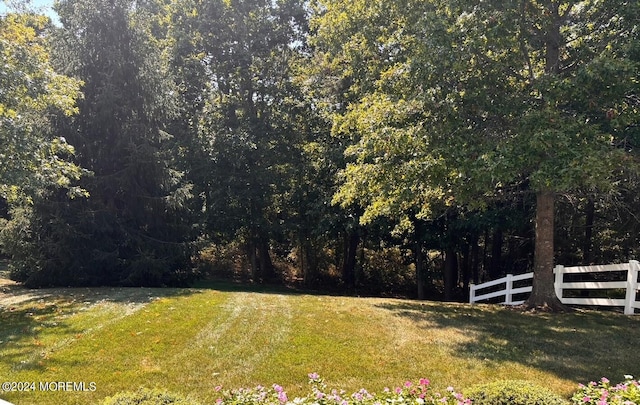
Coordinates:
[603,393]
[509,392]
[147,397]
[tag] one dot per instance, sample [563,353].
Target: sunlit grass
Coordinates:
[190,341]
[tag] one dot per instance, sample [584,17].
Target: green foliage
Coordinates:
[386,271]
[147,397]
[291,128]
[249,119]
[16,238]
[459,104]
[512,392]
[32,92]
[450,105]
[133,229]
[603,393]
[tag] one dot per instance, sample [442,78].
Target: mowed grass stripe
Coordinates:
[190,341]
[355,343]
[231,347]
[124,354]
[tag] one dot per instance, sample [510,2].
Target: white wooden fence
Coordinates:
[630,285]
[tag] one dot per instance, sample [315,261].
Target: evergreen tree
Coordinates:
[132,229]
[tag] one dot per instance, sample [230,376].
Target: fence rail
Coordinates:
[630,285]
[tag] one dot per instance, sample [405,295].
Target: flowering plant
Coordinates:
[410,393]
[603,393]
[253,396]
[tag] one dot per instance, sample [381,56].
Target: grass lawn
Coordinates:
[192,340]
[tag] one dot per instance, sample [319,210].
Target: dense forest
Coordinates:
[403,147]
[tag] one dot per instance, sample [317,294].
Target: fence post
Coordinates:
[558,280]
[508,299]
[632,287]
[472,293]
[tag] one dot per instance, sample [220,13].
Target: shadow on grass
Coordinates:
[35,323]
[580,346]
[225,285]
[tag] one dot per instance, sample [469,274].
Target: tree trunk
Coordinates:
[308,262]
[267,270]
[420,269]
[588,231]
[419,235]
[544,295]
[495,266]
[450,273]
[253,260]
[475,259]
[485,261]
[351,240]
[466,270]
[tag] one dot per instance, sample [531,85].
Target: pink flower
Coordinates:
[605,380]
[424,381]
[408,384]
[586,399]
[282,397]
[314,376]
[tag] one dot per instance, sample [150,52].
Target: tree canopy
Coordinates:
[452,141]
[462,105]
[32,92]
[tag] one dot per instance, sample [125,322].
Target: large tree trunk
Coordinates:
[544,295]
